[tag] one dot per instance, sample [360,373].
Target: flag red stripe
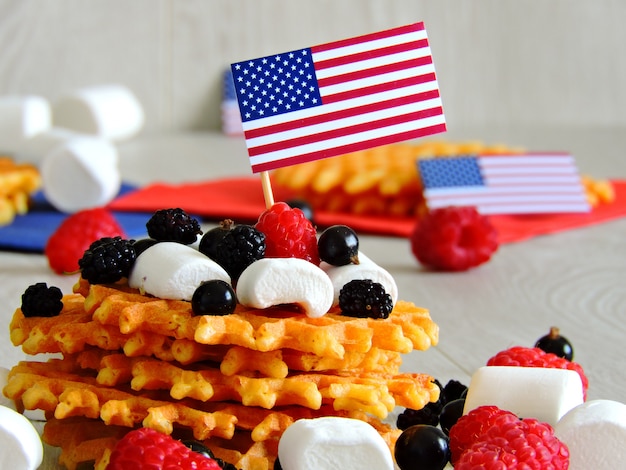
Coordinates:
[348,130]
[378,88]
[342,149]
[373,71]
[411,28]
[370,54]
[344,113]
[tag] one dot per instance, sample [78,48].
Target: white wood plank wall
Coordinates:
[500,62]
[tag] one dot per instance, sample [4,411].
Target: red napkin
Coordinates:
[241,199]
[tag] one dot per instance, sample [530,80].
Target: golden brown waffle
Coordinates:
[132,360]
[382,180]
[17,183]
[408,327]
[77,408]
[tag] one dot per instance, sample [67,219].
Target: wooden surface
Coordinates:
[574,280]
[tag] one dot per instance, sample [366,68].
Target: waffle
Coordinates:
[383,180]
[234,382]
[17,183]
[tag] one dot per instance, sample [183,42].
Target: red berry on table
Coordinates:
[453,239]
[70,240]
[515,444]
[146,448]
[288,233]
[534,357]
[471,427]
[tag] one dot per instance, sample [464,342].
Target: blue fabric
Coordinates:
[31,231]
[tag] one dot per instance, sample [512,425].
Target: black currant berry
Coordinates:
[214,297]
[422,446]
[339,245]
[450,414]
[556,344]
[198,447]
[210,239]
[143,244]
[304,206]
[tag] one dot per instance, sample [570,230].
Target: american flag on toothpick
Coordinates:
[339,97]
[527,183]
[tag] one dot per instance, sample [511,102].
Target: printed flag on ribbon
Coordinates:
[338,97]
[505,184]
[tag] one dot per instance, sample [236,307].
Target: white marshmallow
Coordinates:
[35,149]
[171,270]
[81,174]
[530,392]
[109,111]
[276,281]
[22,117]
[595,433]
[333,443]
[366,269]
[20,444]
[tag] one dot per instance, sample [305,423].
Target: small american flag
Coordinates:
[338,97]
[504,184]
[231,118]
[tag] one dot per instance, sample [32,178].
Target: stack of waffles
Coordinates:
[233,382]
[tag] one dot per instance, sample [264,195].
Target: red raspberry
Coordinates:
[148,449]
[516,444]
[535,357]
[70,240]
[471,427]
[454,239]
[288,233]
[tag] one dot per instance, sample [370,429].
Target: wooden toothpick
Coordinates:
[267,189]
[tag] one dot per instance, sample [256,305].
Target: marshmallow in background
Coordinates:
[37,148]
[82,173]
[21,445]
[595,433]
[109,111]
[22,117]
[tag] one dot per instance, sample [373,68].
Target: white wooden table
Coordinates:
[575,280]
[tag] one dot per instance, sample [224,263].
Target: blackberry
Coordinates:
[107,260]
[39,300]
[453,391]
[427,415]
[173,225]
[365,299]
[239,248]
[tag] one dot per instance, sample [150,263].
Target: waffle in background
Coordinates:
[385,180]
[17,183]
